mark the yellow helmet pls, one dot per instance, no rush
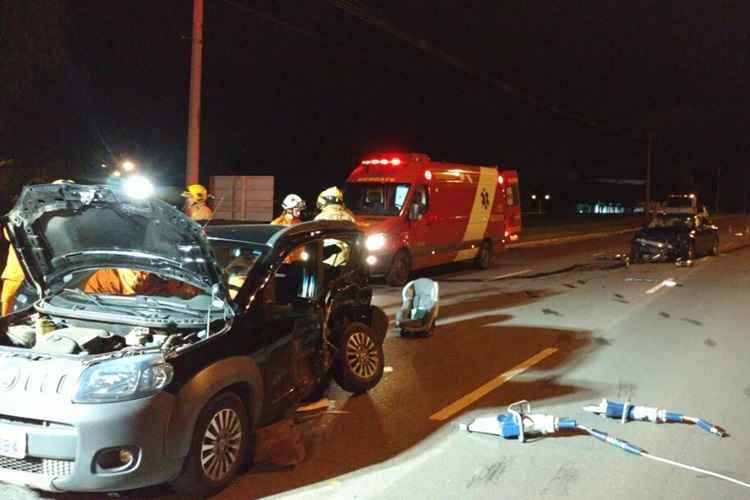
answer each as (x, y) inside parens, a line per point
(331, 196)
(196, 192)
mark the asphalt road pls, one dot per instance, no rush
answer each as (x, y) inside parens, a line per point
(575, 327)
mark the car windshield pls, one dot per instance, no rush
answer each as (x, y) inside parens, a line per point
(678, 202)
(668, 220)
(236, 259)
(376, 199)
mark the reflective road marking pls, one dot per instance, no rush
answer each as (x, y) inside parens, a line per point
(490, 386)
(503, 276)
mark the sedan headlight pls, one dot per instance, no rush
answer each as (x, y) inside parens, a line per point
(123, 379)
(375, 242)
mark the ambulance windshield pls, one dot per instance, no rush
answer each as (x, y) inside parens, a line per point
(376, 199)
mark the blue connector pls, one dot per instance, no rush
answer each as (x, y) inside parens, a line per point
(620, 443)
(626, 412)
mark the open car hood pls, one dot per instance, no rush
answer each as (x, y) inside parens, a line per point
(59, 229)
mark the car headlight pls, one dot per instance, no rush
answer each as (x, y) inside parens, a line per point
(375, 242)
(123, 379)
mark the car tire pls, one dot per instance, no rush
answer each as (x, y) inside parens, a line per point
(360, 361)
(400, 269)
(714, 248)
(690, 254)
(226, 418)
(483, 260)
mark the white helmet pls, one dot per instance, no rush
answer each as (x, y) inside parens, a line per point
(293, 202)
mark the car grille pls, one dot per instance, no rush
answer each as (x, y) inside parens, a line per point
(46, 466)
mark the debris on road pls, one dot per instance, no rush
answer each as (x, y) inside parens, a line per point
(551, 312)
(683, 262)
(627, 412)
(279, 444)
(639, 279)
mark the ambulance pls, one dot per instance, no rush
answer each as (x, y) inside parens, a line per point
(420, 213)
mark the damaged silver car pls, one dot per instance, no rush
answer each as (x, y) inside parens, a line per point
(136, 365)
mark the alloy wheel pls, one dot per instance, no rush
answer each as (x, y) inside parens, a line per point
(221, 444)
(362, 355)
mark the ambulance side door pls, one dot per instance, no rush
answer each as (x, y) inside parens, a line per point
(421, 227)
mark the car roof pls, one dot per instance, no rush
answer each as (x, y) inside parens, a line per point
(270, 235)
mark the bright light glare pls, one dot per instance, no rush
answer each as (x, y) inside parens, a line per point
(428, 175)
(546, 197)
(396, 161)
(500, 179)
(371, 260)
(128, 166)
(116, 173)
(304, 256)
(384, 162)
(138, 187)
(375, 242)
(533, 197)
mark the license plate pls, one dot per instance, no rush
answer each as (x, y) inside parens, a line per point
(12, 442)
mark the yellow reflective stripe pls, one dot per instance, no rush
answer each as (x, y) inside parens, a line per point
(484, 200)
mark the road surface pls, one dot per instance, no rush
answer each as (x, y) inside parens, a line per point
(561, 326)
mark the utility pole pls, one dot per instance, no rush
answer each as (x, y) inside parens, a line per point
(718, 186)
(194, 122)
(648, 173)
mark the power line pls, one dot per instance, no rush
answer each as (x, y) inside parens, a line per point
(358, 10)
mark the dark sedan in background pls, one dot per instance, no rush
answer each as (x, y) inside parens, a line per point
(675, 237)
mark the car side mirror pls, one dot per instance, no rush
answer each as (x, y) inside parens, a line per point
(416, 211)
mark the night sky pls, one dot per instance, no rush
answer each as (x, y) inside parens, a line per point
(303, 90)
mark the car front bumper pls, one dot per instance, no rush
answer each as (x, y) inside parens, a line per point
(65, 443)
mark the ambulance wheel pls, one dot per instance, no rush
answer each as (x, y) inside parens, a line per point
(400, 269)
(483, 260)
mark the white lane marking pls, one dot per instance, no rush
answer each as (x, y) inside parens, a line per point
(508, 275)
(667, 282)
(490, 386)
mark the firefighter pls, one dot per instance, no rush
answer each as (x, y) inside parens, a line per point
(197, 203)
(331, 205)
(13, 275)
(12, 278)
(293, 206)
(111, 281)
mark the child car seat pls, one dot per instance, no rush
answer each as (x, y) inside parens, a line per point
(419, 308)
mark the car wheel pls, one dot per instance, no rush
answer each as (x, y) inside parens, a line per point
(219, 448)
(690, 251)
(400, 269)
(483, 260)
(715, 247)
(360, 360)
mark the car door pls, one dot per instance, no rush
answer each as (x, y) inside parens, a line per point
(292, 327)
(703, 235)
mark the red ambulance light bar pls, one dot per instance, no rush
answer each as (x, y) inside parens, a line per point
(383, 161)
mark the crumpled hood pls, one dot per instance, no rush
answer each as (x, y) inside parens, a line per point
(58, 229)
(663, 234)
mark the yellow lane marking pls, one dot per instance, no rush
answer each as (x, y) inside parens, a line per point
(490, 386)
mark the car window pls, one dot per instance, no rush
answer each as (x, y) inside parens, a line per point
(296, 278)
(236, 260)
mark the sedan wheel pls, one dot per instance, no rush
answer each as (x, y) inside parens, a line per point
(219, 448)
(360, 361)
(221, 445)
(715, 247)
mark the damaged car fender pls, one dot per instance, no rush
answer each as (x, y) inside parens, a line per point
(240, 372)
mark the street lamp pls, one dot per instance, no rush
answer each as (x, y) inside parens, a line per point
(546, 198)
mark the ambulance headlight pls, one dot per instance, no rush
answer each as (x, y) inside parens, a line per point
(375, 242)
